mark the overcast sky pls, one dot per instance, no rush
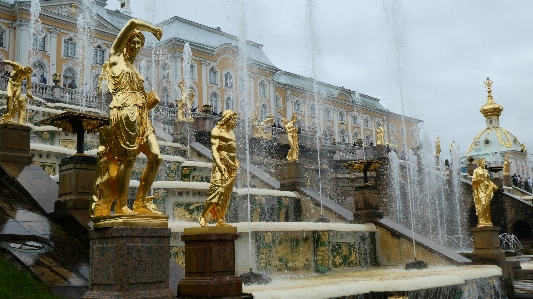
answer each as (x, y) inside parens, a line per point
(433, 54)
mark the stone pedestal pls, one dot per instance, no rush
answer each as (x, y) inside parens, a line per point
(487, 245)
(15, 143)
(366, 204)
(202, 129)
(183, 132)
(470, 169)
(507, 180)
(210, 264)
(291, 176)
(380, 151)
(129, 263)
(76, 183)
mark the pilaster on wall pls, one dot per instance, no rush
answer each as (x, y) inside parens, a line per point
(23, 44)
(53, 49)
(204, 81)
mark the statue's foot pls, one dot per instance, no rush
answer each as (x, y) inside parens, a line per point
(145, 207)
(100, 210)
(124, 210)
(221, 222)
(203, 222)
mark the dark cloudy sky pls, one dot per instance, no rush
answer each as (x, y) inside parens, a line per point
(433, 54)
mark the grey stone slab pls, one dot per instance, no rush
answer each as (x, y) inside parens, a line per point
(422, 241)
(25, 215)
(327, 202)
(39, 187)
(11, 227)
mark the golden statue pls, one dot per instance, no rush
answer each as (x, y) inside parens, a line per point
(451, 145)
(267, 123)
(292, 136)
(380, 137)
(224, 170)
(16, 105)
(437, 147)
(256, 126)
(185, 102)
(483, 192)
(259, 128)
(130, 131)
(506, 166)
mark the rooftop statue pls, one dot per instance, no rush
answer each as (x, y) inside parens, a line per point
(292, 136)
(130, 131)
(224, 170)
(437, 147)
(380, 137)
(483, 192)
(15, 104)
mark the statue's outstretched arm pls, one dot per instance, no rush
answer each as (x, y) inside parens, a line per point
(125, 33)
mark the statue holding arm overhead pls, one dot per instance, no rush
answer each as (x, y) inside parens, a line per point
(224, 170)
(181, 103)
(483, 193)
(292, 134)
(16, 105)
(130, 131)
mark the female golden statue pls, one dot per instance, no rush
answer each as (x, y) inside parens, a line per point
(483, 192)
(437, 147)
(292, 134)
(224, 170)
(380, 137)
(506, 166)
(130, 130)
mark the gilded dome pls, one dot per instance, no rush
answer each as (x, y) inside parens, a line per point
(490, 108)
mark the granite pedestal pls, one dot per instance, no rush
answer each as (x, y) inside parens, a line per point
(291, 176)
(487, 245)
(366, 204)
(129, 262)
(15, 143)
(210, 264)
(76, 182)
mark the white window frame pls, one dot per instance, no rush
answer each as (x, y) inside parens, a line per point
(392, 128)
(262, 90)
(67, 49)
(165, 69)
(214, 102)
(232, 83)
(327, 113)
(99, 55)
(213, 75)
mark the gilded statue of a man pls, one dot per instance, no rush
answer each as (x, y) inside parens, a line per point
(437, 147)
(16, 105)
(292, 134)
(483, 192)
(224, 169)
(130, 131)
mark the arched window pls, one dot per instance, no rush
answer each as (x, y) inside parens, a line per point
(39, 69)
(297, 106)
(402, 130)
(2, 34)
(355, 120)
(165, 96)
(392, 128)
(228, 80)
(343, 136)
(95, 81)
(69, 78)
(229, 103)
(328, 132)
(98, 55)
(342, 117)
(213, 75)
(166, 71)
(277, 100)
(263, 113)
(262, 89)
(39, 43)
(69, 47)
(393, 141)
(192, 71)
(327, 113)
(369, 139)
(213, 99)
(367, 123)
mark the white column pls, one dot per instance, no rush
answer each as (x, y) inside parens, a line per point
(204, 83)
(53, 54)
(350, 130)
(272, 98)
(288, 105)
(23, 42)
(336, 123)
(373, 125)
(362, 124)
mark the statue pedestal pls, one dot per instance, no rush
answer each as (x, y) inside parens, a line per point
(291, 176)
(366, 204)
(129, 263)
(487, 245)
(507, 180)
(76, 183)
(202, 129)
(210, 264)
(183, 132)
(15, 143)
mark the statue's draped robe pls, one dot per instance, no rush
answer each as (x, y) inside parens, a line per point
(483, 192)
(220, 187)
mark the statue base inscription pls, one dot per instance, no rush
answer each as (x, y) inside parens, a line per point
(129, 263)
(210, 264)
(487, 245)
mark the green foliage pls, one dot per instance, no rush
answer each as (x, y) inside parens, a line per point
(19, 284)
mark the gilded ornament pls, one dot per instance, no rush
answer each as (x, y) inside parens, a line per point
(224, 169)
(16, 105)
(483, 193)
(130, 132)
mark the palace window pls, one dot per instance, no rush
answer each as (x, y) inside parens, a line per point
(2, 38)
(264, 113)
(98, 55)
(369, 139)
(166, 71)
(277, 100)
(367, 123)
(341, 117)
(312, 109)
(355, 120)
(192, 71)
(327, 113)
(39, 43)
(297, 106)
(402, 130)
(343, 136)
(69, 49)
(228, 80)
(262, 89)
(213, 99)
(392, 128)
(69, 79)
(229, 103)
(213, 75)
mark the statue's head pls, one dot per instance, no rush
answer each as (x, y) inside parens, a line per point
(481, 163)
(28, 69)
(135, 43)
(228, 120)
